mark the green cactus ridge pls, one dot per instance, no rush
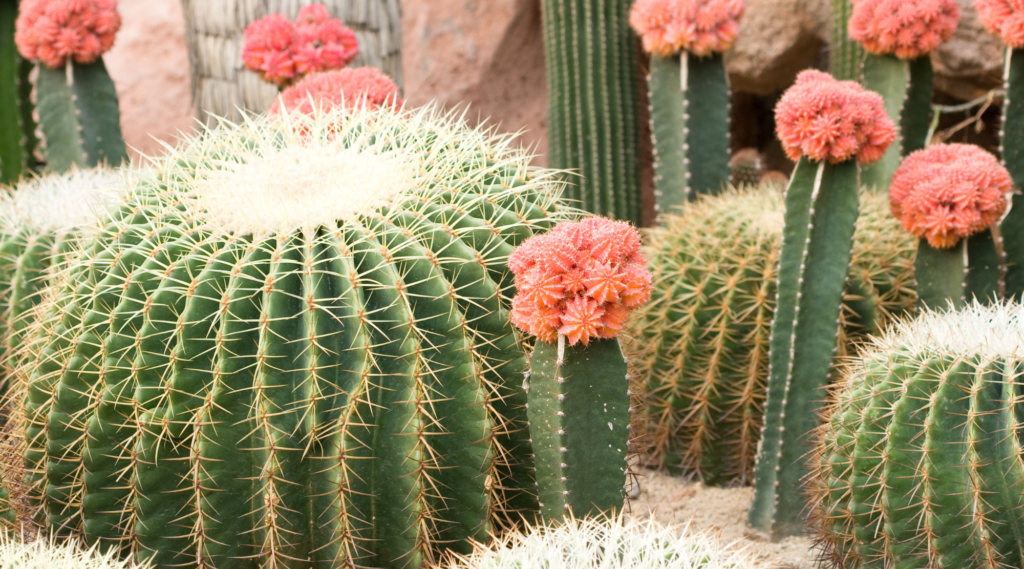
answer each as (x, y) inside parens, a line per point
(918, 461)
(701, 344)
(845, 55)
(290, 342)
(579, 410)
(14, 145)
(1012, 151)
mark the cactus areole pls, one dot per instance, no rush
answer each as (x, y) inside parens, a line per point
(291, 342)
(576, 286)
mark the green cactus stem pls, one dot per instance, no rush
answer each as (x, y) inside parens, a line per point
(689, 101)
(1012, 148)
(845, 55)
(917, 463)
(579, 409)
(80, 116)
(12, 137)
(821, 211)
(906, 87)
(593, 103)
(290, 341)
(968, 271)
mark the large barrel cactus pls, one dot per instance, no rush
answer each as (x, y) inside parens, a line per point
(289, 347)
(40, 223)
(703, 339)
(919, 461)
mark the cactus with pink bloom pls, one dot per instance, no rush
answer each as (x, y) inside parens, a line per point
(282, 51)
(354, 87)
(688, 93)
(576, 286)
(829, 126)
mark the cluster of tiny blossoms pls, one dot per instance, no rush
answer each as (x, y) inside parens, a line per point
(697, 26)
(54, 31)
(579, 280)
(946, 192)
(825, 119)
(1004, 18)
(282, 51)
(904, 28)
(352, 87)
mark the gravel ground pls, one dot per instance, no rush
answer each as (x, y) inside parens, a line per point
(724, 510)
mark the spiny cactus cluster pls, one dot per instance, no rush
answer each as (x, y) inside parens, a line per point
(57, 554)
(918, 463)
(702, 343)
(293, 343)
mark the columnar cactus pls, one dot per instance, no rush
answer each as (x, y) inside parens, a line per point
(17, 141)
(77, 102)
(701, 344)
(898, 36)
(291, 342)
(594, 104)
(1005, 19)
(849, 126)
(576, 286)
(950, 195)
(689, 93)
(845, 55)
(917, 463)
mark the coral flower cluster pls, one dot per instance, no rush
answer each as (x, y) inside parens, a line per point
(282, 51)
(701, 27)
(579, 280)
(54, 31)
(904, 28)
(1004, 18)
(353, 87)
(825, 119)
(946, 192)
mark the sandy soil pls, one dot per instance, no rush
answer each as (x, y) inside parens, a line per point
(674, 500)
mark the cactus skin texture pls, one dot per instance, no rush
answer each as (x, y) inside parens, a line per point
(80, 116)
(971, 269)
(1012, 150)
(303, 384)
(579, 409)
(689, 100)
(593, 103)
(918, 461)
(701, 344)
(14, 149)
(845, 55)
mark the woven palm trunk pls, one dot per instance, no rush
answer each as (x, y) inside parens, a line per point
(223, 87)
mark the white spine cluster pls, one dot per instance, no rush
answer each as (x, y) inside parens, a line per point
(76, 199)
(992, 332)
(65, 554)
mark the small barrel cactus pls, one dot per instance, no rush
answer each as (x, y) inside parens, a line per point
(291, 341)
(918, 460)
(701, 345)
(746, 167)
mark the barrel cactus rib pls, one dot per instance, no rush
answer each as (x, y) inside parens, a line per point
(346, 391)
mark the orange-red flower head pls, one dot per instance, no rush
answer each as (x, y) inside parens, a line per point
(825, 119)
(579, 280)
(701, 27)
(1004, 18)
(282, 51)
(946, 192)
(354, 87)
(904, 28)
(54, 31)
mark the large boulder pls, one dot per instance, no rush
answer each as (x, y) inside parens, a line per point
(970, 64)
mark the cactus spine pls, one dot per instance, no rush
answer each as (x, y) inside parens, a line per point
(1012, 149)
(701, 345)
(579, 424)
(290, 342)
(917, 463)
(593, 103)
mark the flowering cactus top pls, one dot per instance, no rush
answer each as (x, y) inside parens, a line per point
(825, 119)
(282, 51)
(949, 191)
(698, 26)
(53, 31)
(349, 87)
(579, 280)
(1004, 18)
(904, 28)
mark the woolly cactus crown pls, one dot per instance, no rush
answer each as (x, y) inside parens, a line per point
(701, 27)
(52, 31)
(63, 554)
(990, 331)
(62, 201)
(905, 28)
(1004, 18)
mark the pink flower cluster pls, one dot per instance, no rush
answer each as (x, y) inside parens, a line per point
(825, 119)
(701, 27)
(354, 87)
(905, 28)
(53, 31)
(579, 280)
(1004, 18)
(946, 192)
(281, 51)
